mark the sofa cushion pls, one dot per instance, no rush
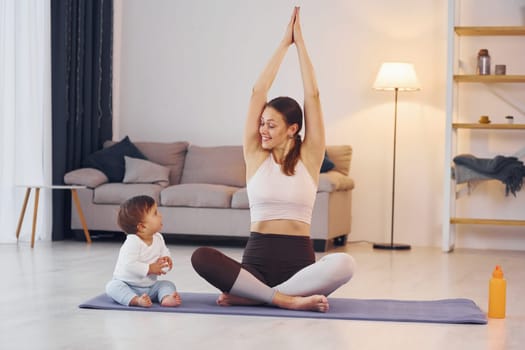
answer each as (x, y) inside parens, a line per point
(144, 171)
(332, 181)
(110, 160)
(117, 193)
(169, 154)
(197, 195)
(341, 155)
(240, 199)
(89, 177)
(222, 165)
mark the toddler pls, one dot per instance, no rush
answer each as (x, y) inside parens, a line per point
(142, 258)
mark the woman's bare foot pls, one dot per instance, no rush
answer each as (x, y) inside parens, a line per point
(231, 300)
(143, 300)
(317, 303)
(171, 300)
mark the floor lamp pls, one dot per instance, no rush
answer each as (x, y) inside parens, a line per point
(395, 76)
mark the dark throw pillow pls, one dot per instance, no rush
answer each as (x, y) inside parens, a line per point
(110, 160)
(327, 164)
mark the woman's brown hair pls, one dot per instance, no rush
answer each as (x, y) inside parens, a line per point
(293, 114)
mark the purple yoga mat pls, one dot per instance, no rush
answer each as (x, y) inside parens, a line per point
(433, 311)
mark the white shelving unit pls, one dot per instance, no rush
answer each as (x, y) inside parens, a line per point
(454, 126)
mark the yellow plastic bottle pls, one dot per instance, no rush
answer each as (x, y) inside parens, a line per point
(497, 294)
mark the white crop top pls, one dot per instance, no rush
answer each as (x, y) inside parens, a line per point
(274, 195)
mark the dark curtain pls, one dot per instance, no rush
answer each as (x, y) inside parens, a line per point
(81, 55)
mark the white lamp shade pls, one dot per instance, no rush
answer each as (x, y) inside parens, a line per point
(397, 75)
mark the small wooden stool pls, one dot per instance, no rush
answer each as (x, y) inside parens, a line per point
(74, 194)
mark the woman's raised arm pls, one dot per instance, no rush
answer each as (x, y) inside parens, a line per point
(260, 91)
(314, 139)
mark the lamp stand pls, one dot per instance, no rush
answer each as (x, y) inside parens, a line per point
(392, 245)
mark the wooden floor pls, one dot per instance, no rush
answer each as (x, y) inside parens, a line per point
(42, 288)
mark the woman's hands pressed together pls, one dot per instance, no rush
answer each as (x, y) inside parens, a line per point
(288, 38)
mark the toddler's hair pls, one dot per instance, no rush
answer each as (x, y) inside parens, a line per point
(132, 213)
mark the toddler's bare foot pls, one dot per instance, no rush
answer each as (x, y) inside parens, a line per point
(317, 303)
(171, 300)
(143, 300)
(231, 300)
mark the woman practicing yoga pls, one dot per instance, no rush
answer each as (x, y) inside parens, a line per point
(282, 172)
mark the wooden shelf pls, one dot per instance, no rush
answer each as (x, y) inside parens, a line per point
(488, 126)
(456, 76)
(476, 78)
(490, 31)
(495, 222)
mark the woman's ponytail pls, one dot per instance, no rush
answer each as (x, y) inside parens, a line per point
(292, 157)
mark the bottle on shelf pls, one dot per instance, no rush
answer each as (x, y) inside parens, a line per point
(483, 62)
(497, 294)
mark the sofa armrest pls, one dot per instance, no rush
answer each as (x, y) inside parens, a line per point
(85, 176)
(332, 181)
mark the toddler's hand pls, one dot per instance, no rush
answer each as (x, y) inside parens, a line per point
(168, 263)
(157, 268)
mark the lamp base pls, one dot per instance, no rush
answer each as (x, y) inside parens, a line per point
(391, 246)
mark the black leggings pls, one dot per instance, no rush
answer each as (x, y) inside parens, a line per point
(271, 258)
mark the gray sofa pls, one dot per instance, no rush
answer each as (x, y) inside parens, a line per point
(201, 192)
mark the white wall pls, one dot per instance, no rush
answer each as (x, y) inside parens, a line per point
(187, 68)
